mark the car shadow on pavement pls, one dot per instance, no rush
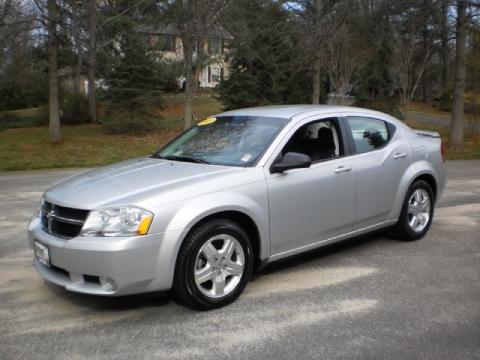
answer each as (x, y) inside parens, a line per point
(326, 251)
(120, 303)
(160, 299)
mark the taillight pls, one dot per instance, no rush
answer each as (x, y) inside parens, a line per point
(442, 150)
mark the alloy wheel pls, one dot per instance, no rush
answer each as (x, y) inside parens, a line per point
(419, 210)
(219, 266)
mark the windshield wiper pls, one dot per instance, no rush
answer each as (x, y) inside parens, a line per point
(183, 158)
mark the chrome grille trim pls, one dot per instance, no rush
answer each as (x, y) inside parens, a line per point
(62, 221)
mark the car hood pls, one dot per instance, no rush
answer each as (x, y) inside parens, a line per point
(126, 182)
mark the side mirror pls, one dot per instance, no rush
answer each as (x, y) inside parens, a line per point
(291, 160)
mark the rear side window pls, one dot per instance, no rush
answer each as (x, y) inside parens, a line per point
(368, 134)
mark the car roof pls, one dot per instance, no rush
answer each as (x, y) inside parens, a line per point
(289, 111)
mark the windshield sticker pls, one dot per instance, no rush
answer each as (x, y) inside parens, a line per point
(207, 121)
(246, 157)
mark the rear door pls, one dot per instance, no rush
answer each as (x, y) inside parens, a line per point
(381, 158)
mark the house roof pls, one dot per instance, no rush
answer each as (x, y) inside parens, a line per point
(215, 31)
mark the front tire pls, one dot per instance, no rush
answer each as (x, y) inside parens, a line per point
(417, 212)
(213, 266)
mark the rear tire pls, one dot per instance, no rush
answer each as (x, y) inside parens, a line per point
(417, 212)
(214, 265)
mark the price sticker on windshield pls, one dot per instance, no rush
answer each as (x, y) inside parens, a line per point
(207, 121)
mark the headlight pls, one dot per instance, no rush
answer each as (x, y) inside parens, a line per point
(123, 221)
(37, 212)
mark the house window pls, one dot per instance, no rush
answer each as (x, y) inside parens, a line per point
(214, 46)
(215, 74)
(166, 43)
(209, 74)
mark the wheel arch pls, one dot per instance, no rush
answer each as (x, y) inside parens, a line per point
(417, 171)
(243, 220)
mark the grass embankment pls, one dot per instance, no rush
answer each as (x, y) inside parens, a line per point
(470, 151)
(88, 145)
(472, 138)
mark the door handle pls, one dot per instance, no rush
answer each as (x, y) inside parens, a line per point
(400, 155)
(342, 169)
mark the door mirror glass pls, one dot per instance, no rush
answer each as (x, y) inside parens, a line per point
(291, 160)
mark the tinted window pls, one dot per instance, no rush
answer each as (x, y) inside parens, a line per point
(368, 134)
(318, 139)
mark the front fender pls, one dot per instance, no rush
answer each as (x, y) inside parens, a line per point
(251, 200)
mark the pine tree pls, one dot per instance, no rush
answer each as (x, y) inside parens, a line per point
(134, 82)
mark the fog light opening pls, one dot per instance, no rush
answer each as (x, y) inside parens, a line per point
(107, 283)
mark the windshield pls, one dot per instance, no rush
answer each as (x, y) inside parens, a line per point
(226, 140)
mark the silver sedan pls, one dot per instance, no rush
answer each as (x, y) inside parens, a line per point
(237, 191)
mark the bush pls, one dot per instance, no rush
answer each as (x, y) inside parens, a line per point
(24, 118)
(444, 100)
(74, 109)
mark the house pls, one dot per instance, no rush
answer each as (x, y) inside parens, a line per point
(166, 38)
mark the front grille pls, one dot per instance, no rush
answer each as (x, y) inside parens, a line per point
(62, 221)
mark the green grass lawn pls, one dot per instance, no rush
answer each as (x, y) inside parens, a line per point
(82, 146)
(88, 145)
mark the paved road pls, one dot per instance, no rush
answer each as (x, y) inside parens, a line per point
(369, 298)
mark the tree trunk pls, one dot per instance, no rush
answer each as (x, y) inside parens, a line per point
(317, 61)
(188, 56)
(456, 127)
(444, 48)
(92, 32)
(54, 131)
(78, 49)
(316, 79)
(199, 63)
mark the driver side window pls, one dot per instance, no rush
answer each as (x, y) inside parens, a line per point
(319, 139)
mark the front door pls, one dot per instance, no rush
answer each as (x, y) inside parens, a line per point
(317, 203)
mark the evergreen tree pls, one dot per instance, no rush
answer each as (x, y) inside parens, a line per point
(265, 61)
(133, 84)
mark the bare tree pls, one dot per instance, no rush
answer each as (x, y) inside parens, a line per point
(341, 62)
(456, 124)
(317, 62)
(412, 58)
(92, 49)
(187, 41)
(54, 119)
(444, 44)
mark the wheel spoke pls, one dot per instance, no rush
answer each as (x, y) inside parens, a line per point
(218, 285)
(210, 252)
(416, 222)
(234, 269)
(203, 275)
(229, 248)
(425, 204)
(418, 197)
(412, 208)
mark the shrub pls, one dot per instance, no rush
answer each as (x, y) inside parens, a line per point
(24, 118)
(444, 100)
(74, 109)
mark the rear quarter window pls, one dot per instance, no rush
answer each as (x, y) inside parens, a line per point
(368, 134)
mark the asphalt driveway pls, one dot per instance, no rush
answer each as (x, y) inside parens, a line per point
(368, 298)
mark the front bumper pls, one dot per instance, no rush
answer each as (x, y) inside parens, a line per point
(109, 266)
